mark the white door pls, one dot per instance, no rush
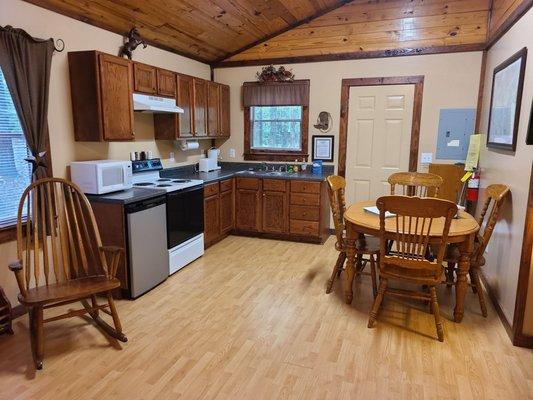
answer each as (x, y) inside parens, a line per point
(379, 137)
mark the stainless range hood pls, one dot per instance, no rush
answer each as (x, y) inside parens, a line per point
(153, 104)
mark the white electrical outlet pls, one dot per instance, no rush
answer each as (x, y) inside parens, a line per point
(171, 156)
(426, 158)
(232, 153)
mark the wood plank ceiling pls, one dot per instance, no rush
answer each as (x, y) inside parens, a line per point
(240, 32)
(205, 30)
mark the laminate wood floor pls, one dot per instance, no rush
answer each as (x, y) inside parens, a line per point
(251, 320)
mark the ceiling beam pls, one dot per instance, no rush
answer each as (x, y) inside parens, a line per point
(358, 55)
(279, 32)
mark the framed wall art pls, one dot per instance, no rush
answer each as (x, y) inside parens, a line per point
(323, 147)
(505, 101)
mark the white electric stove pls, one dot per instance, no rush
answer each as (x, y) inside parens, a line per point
(184, 209)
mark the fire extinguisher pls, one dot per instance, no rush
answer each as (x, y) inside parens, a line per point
(472, 191)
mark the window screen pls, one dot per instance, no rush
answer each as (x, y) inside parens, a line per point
(15, 173)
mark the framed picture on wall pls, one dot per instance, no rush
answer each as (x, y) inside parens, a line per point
(529, 134)
(323, 147)
(505, 101)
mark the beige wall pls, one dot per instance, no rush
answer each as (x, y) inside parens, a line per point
(451, 81)
(80, 36)
(503, 256)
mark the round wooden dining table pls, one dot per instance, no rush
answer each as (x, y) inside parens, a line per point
(462, 232)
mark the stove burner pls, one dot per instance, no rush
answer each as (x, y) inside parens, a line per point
(181, 180)
(144, 184)
(163, 180)
(163, 185)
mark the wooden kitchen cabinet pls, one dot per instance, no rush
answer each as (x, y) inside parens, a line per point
(145, 78)
(248, 204)
(101, 88)
(199, 107)
(166, 83)
(284, 209)
(275, 206)
(224, 111)
(177, 126)
(211, 218)
(213, 108)
(219, 211)
(227, 209)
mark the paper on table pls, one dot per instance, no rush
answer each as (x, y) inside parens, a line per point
(375, 210)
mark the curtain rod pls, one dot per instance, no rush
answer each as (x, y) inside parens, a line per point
(59, 44)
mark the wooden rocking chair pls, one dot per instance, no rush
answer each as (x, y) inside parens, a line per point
(61, 259)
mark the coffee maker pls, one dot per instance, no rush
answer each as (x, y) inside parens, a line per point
(211, 162)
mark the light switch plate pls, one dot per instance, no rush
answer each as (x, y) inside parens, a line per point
(171, 156)
(232, 153)
(426, 158)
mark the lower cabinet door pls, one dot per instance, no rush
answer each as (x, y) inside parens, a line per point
(248, 210)
(275, 215)
(211, 219)
(226, 211)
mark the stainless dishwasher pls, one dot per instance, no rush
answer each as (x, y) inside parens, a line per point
(147, 244)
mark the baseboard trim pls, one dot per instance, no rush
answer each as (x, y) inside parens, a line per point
(497, 306)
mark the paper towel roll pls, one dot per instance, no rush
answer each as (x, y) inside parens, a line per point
(186, 145)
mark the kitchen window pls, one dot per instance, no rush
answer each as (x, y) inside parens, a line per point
(276, 120)
(15, 172)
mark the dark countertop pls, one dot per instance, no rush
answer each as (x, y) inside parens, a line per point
(230, 170)
(126, 196)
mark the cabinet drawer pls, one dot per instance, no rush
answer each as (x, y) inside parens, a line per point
(305, 213)
(305, 199)
(305, 187)
(247, 183)
(274, 185)
(210, 189)
(226, 185)
(307, 228)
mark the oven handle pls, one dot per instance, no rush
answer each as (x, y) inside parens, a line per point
(186, 190)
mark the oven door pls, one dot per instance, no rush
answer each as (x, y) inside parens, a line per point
(185, 215)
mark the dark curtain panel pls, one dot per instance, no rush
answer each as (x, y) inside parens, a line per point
(25, 62)
(295, 93)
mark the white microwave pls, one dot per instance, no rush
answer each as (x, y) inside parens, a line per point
(101, 176)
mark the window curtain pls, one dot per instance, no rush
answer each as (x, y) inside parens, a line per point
(295, 93)
(26, 62)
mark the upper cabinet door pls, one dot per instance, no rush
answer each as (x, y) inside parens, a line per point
(185, 100)
(200, 107)
(116, 84)
(212, 109)
(145, 78)
(224, 118)
(166, 83)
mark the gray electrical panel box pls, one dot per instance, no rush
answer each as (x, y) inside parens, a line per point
(455, 127)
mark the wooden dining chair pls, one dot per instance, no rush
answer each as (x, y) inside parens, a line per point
(61, 259)
(366, 246)
(415, 220)
(415, 184)
(495, 196)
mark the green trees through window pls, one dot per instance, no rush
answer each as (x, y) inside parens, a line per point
(276, 128)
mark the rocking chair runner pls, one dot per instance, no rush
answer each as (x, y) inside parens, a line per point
(61, 259)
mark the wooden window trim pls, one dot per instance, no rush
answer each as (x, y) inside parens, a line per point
(272, 155)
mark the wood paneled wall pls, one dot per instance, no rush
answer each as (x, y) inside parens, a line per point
(241, 32)
(504, 14)
(205, 30)
(370, 26)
